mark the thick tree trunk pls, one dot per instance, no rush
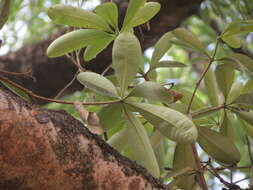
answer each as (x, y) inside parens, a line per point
(51, 75)
(49, 150)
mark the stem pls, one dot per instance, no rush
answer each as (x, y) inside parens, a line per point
(30, 93)
(203, 75)
(14, 73)
(201, 177)
(200, 172)
(198, 113)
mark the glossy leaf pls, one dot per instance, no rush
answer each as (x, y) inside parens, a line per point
(217, 146)
(247, 128)
(233, 63)
(109, 12)
(93, 50)
(133, 7)
(169, 122)
(4, 11)
(238, 27)
(119, 140)
(226, 128)
(142, 148)
(156, 138)
(97, 83)
(246, 116)
(75, 40)
(196, 104)
(243, 60)
(126, 58)
(16, 91)
(161, 47)
(244, 100)
(235, 91)
(76, 17)
(205, 112)
(248, 86)
(225, 77)
(152, 91)
(189, 38)
(170, 64)
(147, 12)
(110, 116)
(184, 158)
(211, 87)
(160, 156)
(232, 41)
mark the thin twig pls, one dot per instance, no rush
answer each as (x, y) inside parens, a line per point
(196, 114)
(30, 93)
(201, 177)
(249, 150)
(106, 69)
(241, 180)
(203, 74)
(65, 87)
(15, 73)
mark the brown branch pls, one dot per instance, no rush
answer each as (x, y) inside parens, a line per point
(200, 172)
(31, 94)
(49, 150)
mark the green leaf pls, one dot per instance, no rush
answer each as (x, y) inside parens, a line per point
(244, 100)
(75, 40)
(211, 87)
(133, 7)
(196, 104)
(170, 64)
(120, 140)
(142, 148)
(4, 11)
(147, 12)
(97, 83)
(93, 50)
(247, 128)
(169, 122)
(16, 91)
(156, 138)
(109, 12)
(217, 146)
(205, 112)
(184, 158)
(225, 77)
(110, 116)
(160, 156)
(248, 86)
(238, 27)
(126, 58)
(76, 17)
(243, 60)
(152, 91)
(161, 47)
(226, 128)
(235, 91)
(233, 63)
(232, 41)
(190, 39)
(246, 116)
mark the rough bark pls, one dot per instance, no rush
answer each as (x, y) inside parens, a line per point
(51, 75)
(49, 150)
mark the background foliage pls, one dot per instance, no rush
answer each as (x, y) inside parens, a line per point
(28, 23)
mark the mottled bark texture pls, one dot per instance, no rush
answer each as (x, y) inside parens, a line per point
(51, 75)
(49, 150)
